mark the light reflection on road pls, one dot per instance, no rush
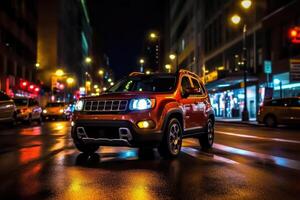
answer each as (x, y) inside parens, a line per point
(280, 161)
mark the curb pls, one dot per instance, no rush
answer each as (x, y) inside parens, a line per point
(239, 123)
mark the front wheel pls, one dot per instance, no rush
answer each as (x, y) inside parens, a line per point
(207, 139)
(88, 149)
(171, 144)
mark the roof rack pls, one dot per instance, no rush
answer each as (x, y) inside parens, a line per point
(187, 72)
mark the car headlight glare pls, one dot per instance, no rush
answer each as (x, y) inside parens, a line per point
(141, 104)
(45, 111)
(79, 105)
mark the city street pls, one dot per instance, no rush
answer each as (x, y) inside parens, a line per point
(247, 162)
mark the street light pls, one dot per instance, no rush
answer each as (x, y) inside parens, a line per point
(88, 60)
(172, 56)
(246, 4)
(153, 35)
(148, 72)
(101, 72)
(109, 80)
(236, 19)
(142, 61)
(70, 81)
(59, 72)
(168, 67)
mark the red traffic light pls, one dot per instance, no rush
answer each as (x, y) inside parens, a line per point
(294, 34)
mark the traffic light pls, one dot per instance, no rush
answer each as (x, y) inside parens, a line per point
(294, 35)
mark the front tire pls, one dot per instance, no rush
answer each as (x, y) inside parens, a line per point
(88, 149)
(206, 140)
(171, 144)
(270, 121)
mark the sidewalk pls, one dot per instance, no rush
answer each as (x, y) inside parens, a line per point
(252, 121)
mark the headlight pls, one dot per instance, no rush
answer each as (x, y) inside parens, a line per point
(45, 111)
(61, 110)
(79, 105)
(141, 104)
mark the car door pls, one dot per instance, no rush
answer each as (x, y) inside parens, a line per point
(199, 104)
(35, 112)
(186, 103)
(6, 107)
(294, 110)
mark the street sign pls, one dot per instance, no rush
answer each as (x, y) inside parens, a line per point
(268, 67)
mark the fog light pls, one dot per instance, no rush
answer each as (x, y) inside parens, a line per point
(146, 124)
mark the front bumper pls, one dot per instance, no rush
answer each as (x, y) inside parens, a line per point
(114, 133)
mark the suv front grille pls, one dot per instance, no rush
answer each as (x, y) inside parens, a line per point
(105, 106)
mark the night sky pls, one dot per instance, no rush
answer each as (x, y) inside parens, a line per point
(121, 26)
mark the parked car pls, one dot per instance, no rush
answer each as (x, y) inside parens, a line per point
(7, 109)
(28, 110)
(146, 111)
(54, 110)
(280, 111)
(69, 110)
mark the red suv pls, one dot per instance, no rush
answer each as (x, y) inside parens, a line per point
(146, 111)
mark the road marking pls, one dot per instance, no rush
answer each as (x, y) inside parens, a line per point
(195, 153)
(280, 161)
(258, 137)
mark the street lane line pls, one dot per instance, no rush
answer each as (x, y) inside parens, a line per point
(280, 161)
(258, 137)
(195, 153)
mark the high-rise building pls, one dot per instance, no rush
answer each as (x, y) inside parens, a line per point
(18, 36)
(64, 39)
(183, 39)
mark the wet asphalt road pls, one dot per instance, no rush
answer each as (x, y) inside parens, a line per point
(247, 162)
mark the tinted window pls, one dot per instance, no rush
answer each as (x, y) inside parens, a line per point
(55, 105)
(185, 84)
(145, 83)
(4, 97)
(276, 102)
(197, 86)
(21, 102)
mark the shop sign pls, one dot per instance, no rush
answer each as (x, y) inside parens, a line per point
(294, 70)
(268, 67)
(212, 76)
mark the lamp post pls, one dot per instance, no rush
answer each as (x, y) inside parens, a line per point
(168, 68)
(173, 57)
(236, 19)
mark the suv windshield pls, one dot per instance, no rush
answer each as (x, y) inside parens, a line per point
(21, 102)
(147, 83)
(55, 105)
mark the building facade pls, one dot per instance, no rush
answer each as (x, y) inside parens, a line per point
(18, 36)
(64, 40)
(217, 50)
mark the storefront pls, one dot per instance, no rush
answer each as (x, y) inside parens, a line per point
(230, 103)
(285, 86)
